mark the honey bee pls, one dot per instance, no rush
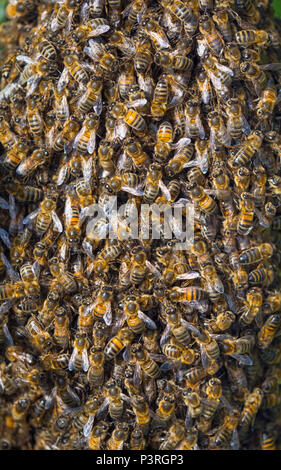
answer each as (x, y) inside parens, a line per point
(136, 319)
(160, 98)
(221, 18)
(95, 373)
(255, 74)
(92, 28)
(238, 348)
(63, 139)
(176, 62)
(272, 303)
(64, 14)
(268, 331)
(134, 150)
(194, 126)
(105, 61)
(7, 137)
(61, 328)
(130, 117)
(210, 34)
(148, 365)
(256, 254)
(15, 155)
(251, 145)
(62, 277)
(98, 435)
(54, 361)
(137, 440)
(252, 404)
(40, 339)
(236, 123)
(85, 140)
(246, 215)
(45, 215)
(91, 98)
(142, 58)
(155, 33)
(79, 357)
(118, 437)
(85, 420)
(101, 308)
(227, 432)
(115, 345)
(218, 132)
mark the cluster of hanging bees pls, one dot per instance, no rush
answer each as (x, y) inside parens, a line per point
(129, 343)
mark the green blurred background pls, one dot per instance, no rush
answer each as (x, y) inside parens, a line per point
(276, 5)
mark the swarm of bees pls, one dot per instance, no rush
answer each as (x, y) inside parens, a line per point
(128, 343)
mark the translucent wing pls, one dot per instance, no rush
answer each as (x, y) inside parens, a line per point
(10, 270)
(49, 400)
(3, 204)
(8, 335)
(246, 126)
(87, 169)
(5, 238)
(206, 92)
(25, 58)
(57, 223)
(108, 315)
(225, 69)
(120, 130)
(152, 268)
(201, 47)
(235, 443)
(32, 84)
(163, 42)
(5, 306)
(62, 175)
(30, 217)
(188, 275)
(88, 426)
(133, 191)
(242, 359)
(150, 323)
(92, 142)
(137, 103)
(101, 29)
(78, 137)
(102, 409)
(85, 360)
(165, 190)
(63, 80)
(72, 359)
(165, 335)
(98, 105)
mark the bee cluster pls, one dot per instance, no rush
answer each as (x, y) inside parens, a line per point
(129, 343)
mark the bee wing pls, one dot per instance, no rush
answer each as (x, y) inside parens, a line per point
(235, 443)
(78, 137)
(98, 105)
(204, 162)
(137, 375)
(30, 217)
(275, 67)
(63, 80)
(206, 92)
(218, 285)
(25, 58)
(8, 335)
(69, 20)
(108, 315)
(94, 50)
(101, 29)
(5, 306)
(201, 47)
(200, 127)
(54, 25)
(102, 409)
(36, 269)
(123, 162)
(62, 175)
(245, 126)
(243, 359)
(215, 81)
(32, 84)
(150, 323)
(188, 275)
(162, 40)
(87, 429)
(152, 268)
(4, 204)
(165, 190)
(57, 223)
(85, 360)
(133, 191)
(120, 130)
(10, 270)
(225, 69)
(165, 335)
(72, 359)
(181, 144)
(137, 103)
(5, 238)
(92, 142)
(49, 400)
(204, 357)
(84, 13)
